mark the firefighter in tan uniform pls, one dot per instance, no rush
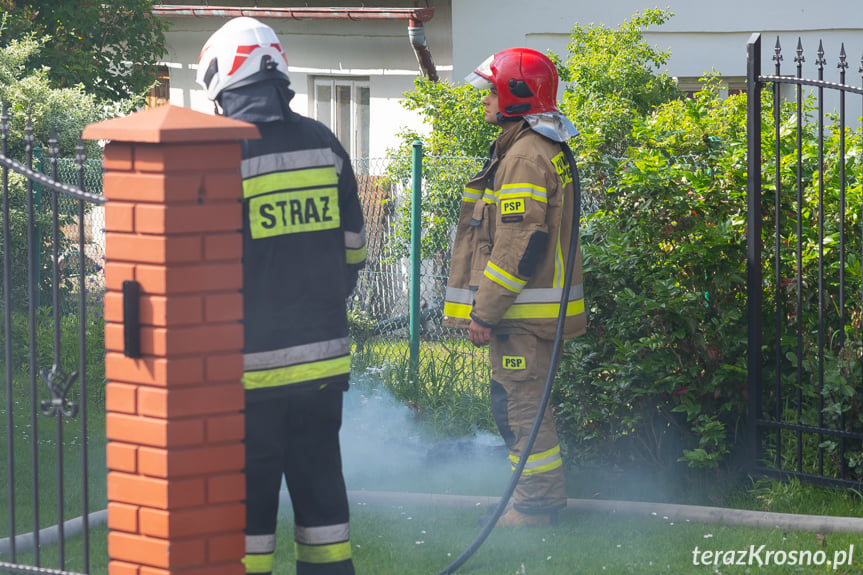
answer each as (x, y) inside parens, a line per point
(507, 271)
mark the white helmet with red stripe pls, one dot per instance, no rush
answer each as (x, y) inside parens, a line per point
(241, 52)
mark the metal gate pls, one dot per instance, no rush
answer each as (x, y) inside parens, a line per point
(50, 312)
(805, 248)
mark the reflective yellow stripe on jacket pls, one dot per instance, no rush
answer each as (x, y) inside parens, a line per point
(532, 303)
(471, 195)
(503, 278)
(297, 364)
(355, 246)
(292, 193)
(524, 190)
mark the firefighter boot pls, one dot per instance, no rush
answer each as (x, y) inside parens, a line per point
(515, 518)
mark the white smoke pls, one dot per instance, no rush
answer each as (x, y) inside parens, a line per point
(385, 447)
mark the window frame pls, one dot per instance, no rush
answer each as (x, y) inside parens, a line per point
(357, 144)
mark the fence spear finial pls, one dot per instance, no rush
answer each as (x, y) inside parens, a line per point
(820, 61)
(799, 58)
(843, 59)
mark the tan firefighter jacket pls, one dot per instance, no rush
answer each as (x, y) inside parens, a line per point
(512, 241)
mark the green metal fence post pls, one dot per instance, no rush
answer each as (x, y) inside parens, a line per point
(416, 258)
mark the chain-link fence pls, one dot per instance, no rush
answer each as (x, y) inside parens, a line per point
(383, 292)
(71, 172)
(380, 306)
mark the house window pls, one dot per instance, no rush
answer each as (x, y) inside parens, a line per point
(160, 93)
(342, 104)
(729, 85)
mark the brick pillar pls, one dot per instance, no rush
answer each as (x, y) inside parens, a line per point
(174, 414)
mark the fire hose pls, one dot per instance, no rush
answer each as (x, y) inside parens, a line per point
(549, 379)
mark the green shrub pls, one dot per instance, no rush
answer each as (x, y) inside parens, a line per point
(661, 374)
(54, 116)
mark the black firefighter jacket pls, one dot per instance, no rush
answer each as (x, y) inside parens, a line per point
(303, 245)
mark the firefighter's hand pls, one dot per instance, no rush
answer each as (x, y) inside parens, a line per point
(479, 335)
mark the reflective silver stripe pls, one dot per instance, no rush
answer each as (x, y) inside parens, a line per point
(355, 240)
(297, 354)
(525, 190)
(489, 197)
(260, 544)
(542, 462)
(286, 161)
(471, 195)
(549, 295)
(322, 535)
(459, 295)
(531, 295)
(503, 278)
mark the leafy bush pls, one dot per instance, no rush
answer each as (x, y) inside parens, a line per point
(53, 116)
(29, 95)
(661, 374)
(110, 48)
(664, 262)
(613, 78)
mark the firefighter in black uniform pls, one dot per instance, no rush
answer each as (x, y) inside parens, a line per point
(303, 245)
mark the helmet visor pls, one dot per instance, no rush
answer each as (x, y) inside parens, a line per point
(482, 77)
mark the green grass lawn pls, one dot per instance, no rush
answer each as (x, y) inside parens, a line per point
(406, 541)
(39, 460)
(443, 444)
(423, 540)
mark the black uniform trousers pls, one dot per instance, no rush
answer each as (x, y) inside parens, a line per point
(297, 436)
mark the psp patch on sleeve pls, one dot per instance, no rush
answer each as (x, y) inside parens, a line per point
(512, 210)
(513, 206)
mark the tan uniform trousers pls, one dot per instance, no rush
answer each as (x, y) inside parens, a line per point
(519, 366)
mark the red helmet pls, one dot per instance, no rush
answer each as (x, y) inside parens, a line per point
(526, 81)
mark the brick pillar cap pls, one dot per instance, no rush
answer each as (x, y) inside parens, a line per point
(170, 124)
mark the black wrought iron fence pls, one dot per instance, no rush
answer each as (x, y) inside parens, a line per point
(52, 364)
(804, 267)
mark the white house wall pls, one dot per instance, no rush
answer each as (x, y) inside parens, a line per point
(379, 51)
(703, 35)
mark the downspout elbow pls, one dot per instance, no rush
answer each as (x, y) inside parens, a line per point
(417, 35)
